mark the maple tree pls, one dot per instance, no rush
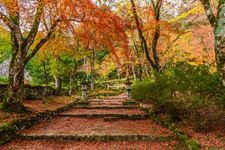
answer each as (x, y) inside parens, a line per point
(26, 19)
(23, 37)
(155, 30)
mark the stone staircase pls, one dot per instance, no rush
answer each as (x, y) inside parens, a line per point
(105, 124)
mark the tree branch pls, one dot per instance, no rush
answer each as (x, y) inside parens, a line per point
(42, 41)
(35, 26)
(14, 28)
(156, 36)
(6, 20)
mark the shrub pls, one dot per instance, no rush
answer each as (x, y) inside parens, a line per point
(181, 88)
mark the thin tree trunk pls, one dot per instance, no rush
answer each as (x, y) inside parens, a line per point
(141, 36)
(154, 62)
(92, 64)
(46, 81)
(134, 73)
(70, 86)
(58, 85)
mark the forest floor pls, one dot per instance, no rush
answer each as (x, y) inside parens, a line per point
(106, 125)
(36, 106)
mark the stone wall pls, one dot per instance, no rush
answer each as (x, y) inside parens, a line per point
(32, 92)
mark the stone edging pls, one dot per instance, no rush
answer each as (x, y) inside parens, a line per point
(118, 116)
(98, 137)
(9, 132)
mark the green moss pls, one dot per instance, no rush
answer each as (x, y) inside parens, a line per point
(193, 144)
(100, 137)
(83, 103)
(130, 102)
(15, 107)
(7, 133)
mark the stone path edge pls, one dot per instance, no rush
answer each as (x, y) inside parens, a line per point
(179, 134)
(107, 107)
(9, 132)
(103, 138)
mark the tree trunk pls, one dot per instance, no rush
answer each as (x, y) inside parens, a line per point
(134, 72)
(218, 24)
(92, 83)
(58, 85)
(46, 81)
(220, 54)
(219, 32)
(15, 92)
(92, 64)
(154, 62)
(70, 86)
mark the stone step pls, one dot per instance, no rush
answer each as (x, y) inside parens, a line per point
(106, 103)
(89, 145)
(104, 111)
(96, 127)
(97, 137)
(107, 107)
(118, 116)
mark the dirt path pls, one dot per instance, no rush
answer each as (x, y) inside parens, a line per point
(106, 125)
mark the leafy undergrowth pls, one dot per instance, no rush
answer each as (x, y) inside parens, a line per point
(36, 106)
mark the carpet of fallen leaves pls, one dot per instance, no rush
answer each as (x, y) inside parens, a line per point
(104, 111)
(36, 106)
(209, 140)
(52, 104)
(83, 126)
(62, 125)
(84, 145)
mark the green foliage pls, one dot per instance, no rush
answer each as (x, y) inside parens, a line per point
(100, 56)
(113, 74)
(5, 46)
(3, 80)
(36, 71)
(62, 67)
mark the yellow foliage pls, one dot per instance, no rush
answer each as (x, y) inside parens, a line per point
(197, 9)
